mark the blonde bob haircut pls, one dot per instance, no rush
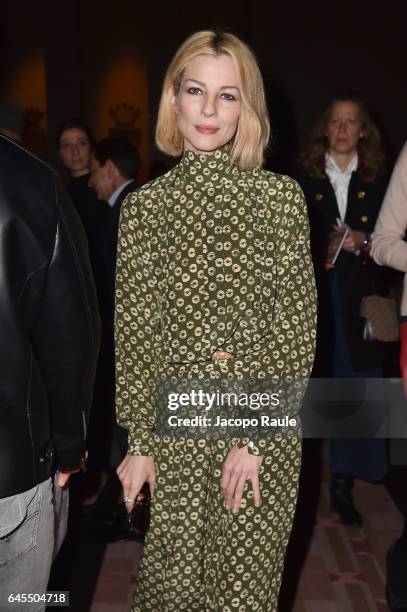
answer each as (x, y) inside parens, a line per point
(253, 131)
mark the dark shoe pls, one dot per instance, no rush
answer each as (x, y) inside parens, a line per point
(342, 500)
(119, 525)
(396, 591)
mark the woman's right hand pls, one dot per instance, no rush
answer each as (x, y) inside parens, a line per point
(133, 472)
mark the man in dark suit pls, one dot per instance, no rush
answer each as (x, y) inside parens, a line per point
(114, 166)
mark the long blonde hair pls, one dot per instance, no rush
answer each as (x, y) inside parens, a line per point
(253, 132)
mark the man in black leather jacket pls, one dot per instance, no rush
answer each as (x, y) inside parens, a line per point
(49, 337)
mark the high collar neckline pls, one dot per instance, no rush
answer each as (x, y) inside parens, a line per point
(206, 168)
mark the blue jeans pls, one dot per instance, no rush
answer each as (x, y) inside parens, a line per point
(30, 535)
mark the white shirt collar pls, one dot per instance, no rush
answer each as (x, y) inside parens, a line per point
(340, 180)
(113, 198)
(332, 167)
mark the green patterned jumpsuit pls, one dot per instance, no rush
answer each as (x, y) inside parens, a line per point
(212, 258)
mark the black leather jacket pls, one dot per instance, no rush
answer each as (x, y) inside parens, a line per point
(49, 324)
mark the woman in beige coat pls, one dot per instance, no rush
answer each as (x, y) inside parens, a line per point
(389, 248)
(388, 245)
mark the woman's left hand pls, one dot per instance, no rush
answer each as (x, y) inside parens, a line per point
(239, 467)
(353, 241)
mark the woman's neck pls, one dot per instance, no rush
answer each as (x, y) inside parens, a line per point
(342, 160)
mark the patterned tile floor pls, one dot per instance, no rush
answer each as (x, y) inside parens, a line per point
(344, 569)
(115, 585)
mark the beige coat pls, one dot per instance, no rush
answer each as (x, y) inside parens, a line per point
(388, 246)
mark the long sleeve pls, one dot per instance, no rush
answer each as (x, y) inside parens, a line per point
(296, 304)
(388, 246)
(136, 330)
(66, 335)
(291, 349)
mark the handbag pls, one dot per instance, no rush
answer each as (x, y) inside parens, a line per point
(381, 316)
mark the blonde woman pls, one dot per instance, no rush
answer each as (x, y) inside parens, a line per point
(214, 281)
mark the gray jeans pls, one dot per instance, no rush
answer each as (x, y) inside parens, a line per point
(32, 528)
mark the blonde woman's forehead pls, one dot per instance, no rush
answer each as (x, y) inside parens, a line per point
(210, 69)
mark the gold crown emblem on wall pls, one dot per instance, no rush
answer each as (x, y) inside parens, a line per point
(124, 115)
(33, 117)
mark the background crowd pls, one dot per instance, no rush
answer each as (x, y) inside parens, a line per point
(344, 173)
